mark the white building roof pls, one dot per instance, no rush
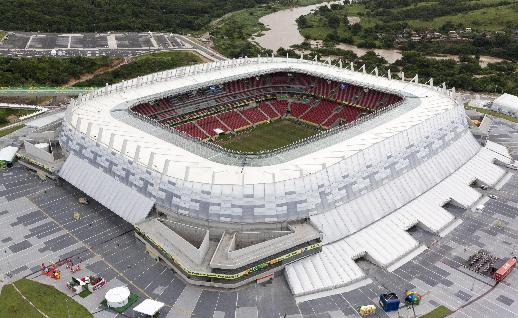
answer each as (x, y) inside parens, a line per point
(8, 153)
(90, 114)
(386, 241)
(149, 307)
(507, 102)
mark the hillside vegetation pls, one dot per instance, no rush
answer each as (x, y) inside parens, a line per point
(142, 65)
(46, 71)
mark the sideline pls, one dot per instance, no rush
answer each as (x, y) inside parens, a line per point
(19, 292)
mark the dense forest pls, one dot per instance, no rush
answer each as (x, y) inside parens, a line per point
(114, 15)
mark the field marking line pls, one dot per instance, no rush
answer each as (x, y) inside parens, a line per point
(27, 300)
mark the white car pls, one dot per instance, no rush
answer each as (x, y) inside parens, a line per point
(492, 196)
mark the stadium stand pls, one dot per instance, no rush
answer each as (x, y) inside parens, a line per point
(240, 103)
(233, 120)
(267, 109)
(254, 115)
(320, 112)
(297, 109)
(280, 106)
(209, 124)
(191, 129)
(357, 192)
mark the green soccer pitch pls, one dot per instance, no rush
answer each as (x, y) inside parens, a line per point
(267, 136)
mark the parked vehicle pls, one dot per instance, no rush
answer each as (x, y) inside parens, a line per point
(503, 271)
(389, 302)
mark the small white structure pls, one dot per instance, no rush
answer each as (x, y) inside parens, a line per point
(40, 151)
(8, 153)
(149, 307)
(506, 103)
(117, 297)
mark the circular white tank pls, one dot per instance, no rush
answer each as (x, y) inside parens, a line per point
(117, 297)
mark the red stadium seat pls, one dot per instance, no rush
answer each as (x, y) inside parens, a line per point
(254, 115)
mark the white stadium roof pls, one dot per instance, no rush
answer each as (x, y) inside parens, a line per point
(90, 115)
(121, 199)
(363, 190)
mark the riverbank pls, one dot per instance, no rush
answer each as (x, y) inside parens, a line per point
(281, 27)
(392, 55)
(231, 35)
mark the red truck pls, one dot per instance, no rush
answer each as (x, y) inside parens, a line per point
(503, 271)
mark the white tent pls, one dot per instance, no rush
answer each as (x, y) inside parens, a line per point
(149, 307)
(506, 103)
(117, 297)
(8, 153)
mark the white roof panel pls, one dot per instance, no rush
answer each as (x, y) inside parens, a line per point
(96, 111)
(119, 198)
(8, 153)
(149, 307)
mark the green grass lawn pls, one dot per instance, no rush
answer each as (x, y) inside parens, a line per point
(266, 136)
(2, 35)
(49, 300)
(13, 305)
(6, 112)
(439, 312)
(5, 132)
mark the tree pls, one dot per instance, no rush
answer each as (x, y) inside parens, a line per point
(333, 21)
(302, 22)
(356, 29)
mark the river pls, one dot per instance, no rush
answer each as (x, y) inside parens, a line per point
(283, 32)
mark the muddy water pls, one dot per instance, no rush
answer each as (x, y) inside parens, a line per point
(484, 60)
(390, 55)
(283, 28)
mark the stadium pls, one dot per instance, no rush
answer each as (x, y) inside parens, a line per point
(233, 170)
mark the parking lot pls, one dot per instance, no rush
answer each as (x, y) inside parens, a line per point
(26, 44)
(38, 225)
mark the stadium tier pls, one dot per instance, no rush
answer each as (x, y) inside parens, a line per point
(387, 156)
(311, 99)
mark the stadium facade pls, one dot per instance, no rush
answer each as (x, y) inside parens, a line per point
(392, 155)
